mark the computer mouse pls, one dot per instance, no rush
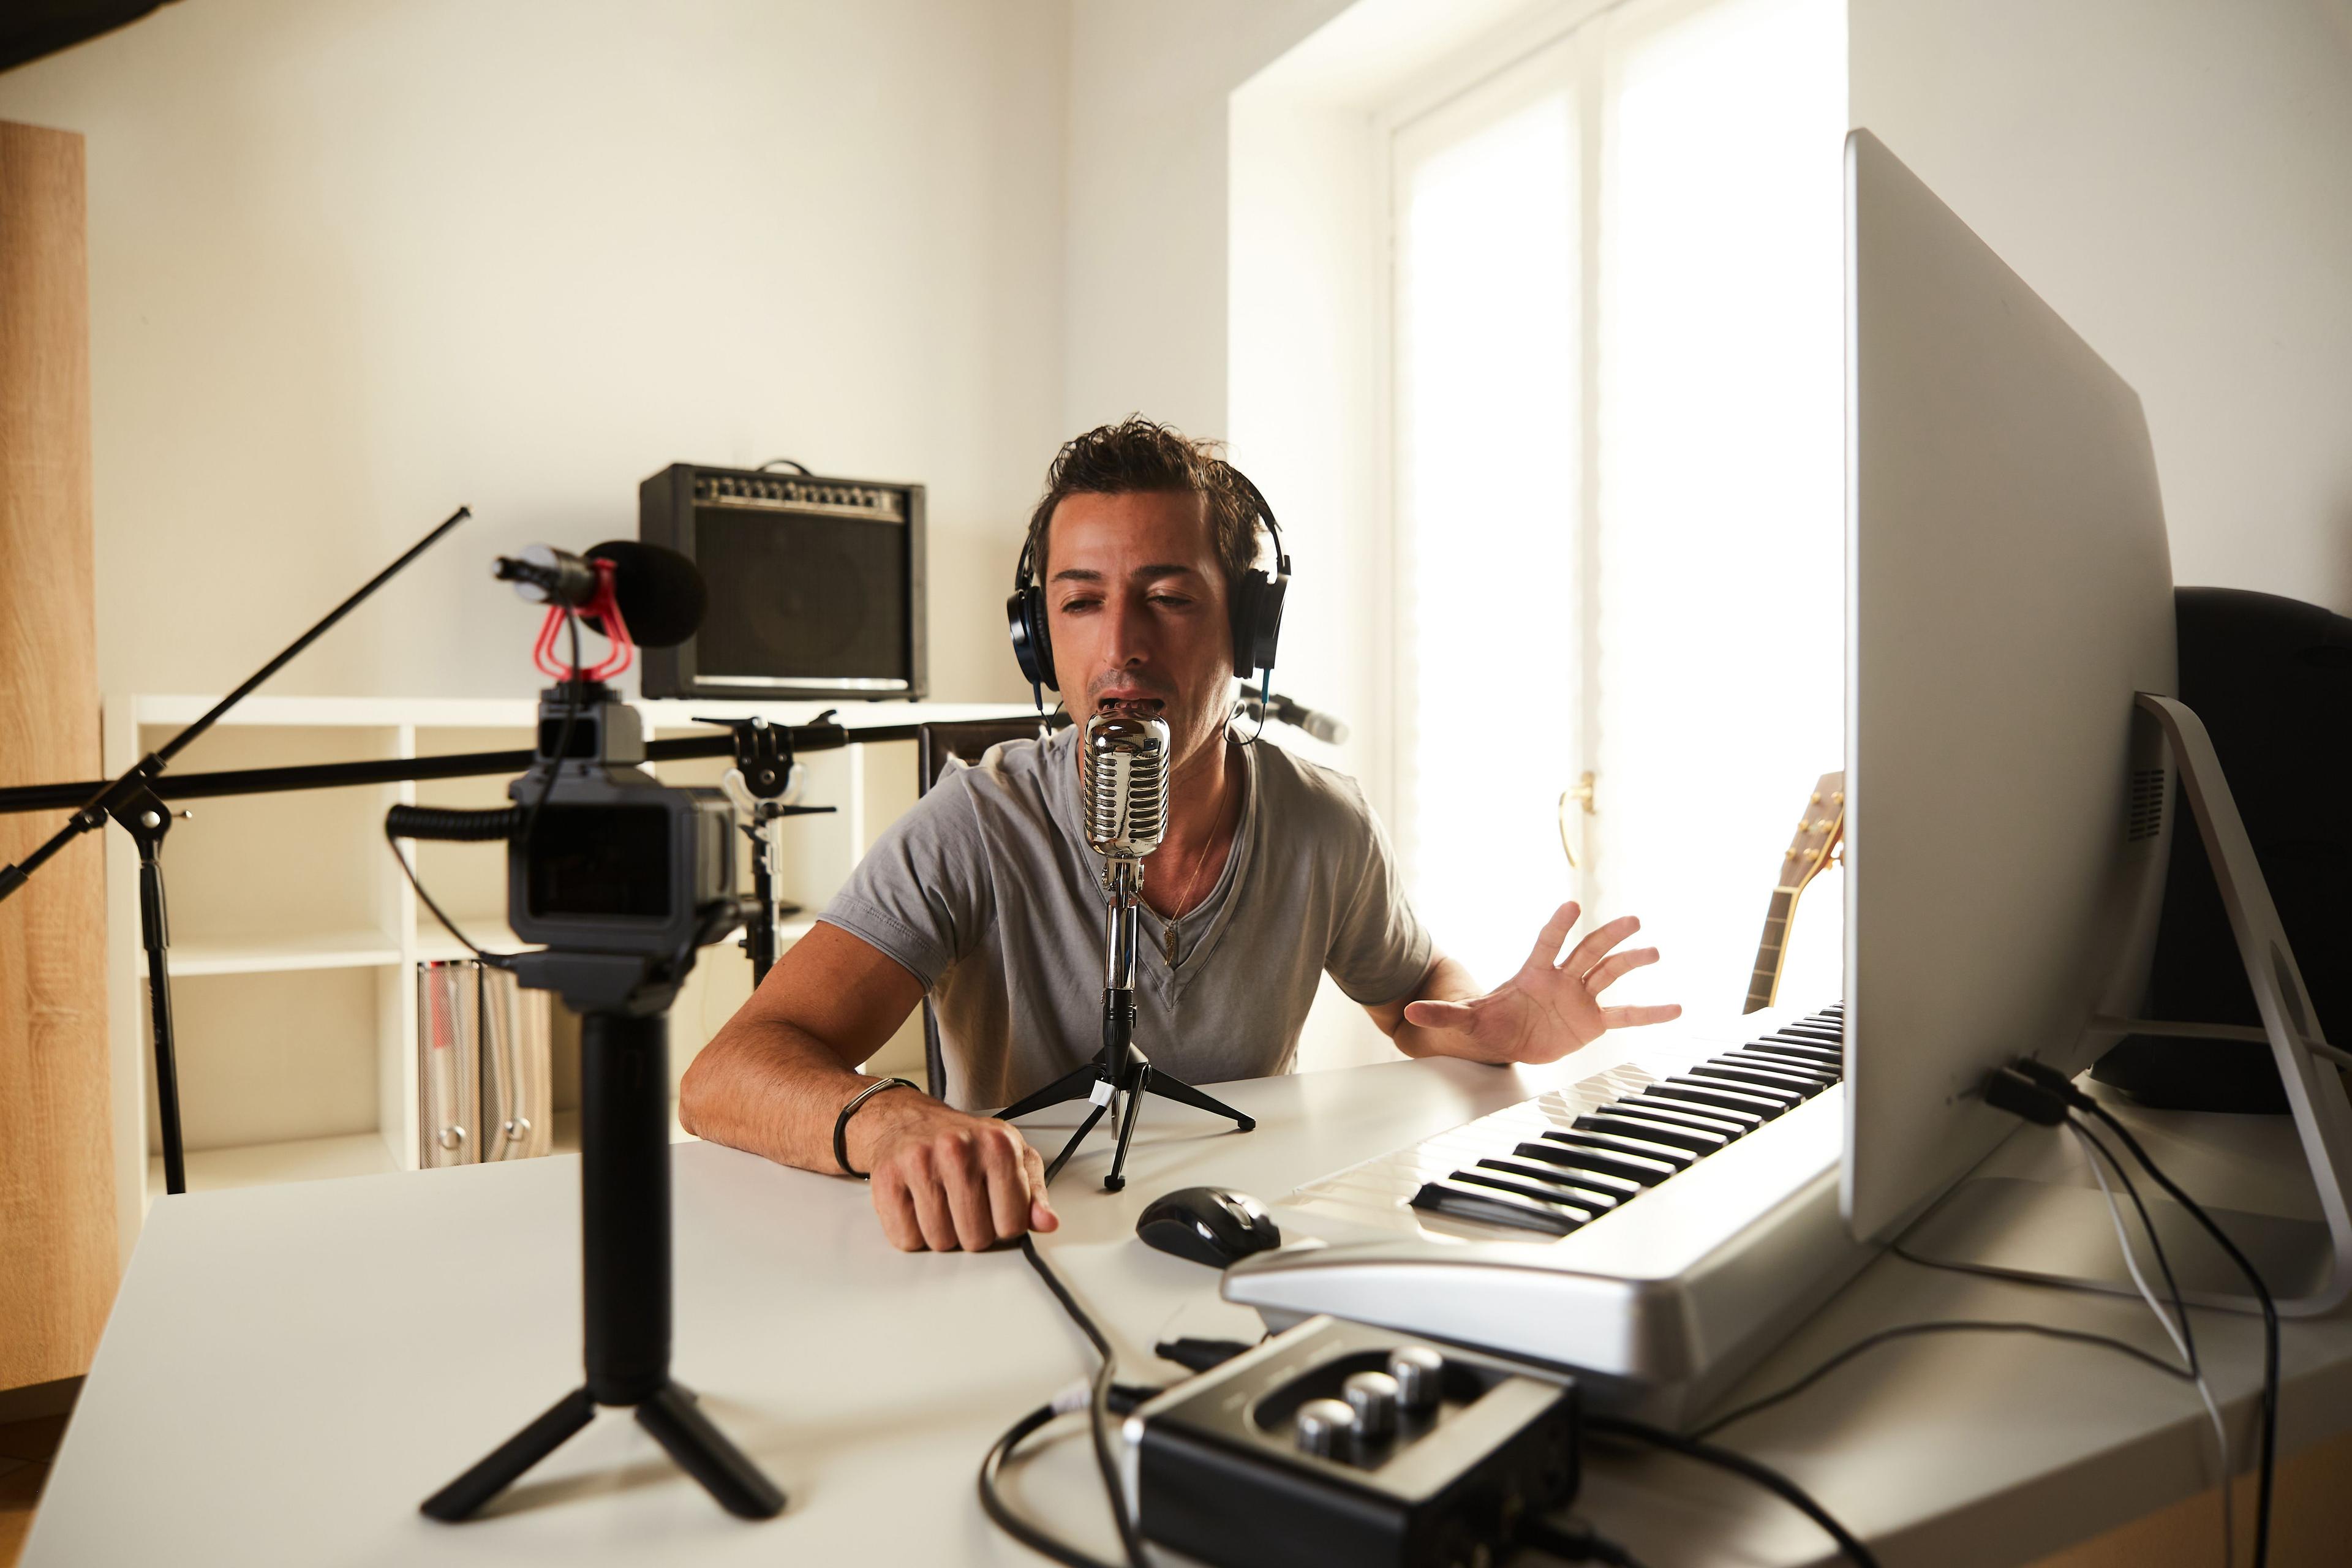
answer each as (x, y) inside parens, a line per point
(1207, 1225)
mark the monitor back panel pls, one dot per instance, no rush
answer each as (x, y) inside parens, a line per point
(2009, 589)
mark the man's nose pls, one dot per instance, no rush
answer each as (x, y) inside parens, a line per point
(1127, 643)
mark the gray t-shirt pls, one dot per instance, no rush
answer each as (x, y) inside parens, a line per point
(987, 893)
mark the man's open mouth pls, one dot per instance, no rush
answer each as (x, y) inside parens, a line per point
(1132, 707)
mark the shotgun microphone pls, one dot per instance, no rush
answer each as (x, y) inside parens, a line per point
(660, 592)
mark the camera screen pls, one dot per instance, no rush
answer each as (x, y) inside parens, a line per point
(601, 860)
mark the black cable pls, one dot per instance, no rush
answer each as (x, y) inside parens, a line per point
(2267, 1465)
(1740, 1465)
(1130, 1539)
(782, 462)
(2155, 1242)
(495, 960)
(1577, 1543)
(992, 1503)
(562, 734)
(1943, 1325)
(531, 818)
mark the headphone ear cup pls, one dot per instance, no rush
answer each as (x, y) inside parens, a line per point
(1243, 617)
(1033, 649)
(1258, 622)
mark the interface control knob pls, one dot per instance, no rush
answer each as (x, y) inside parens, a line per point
(1372, 1398)
(1420, 1375)
(1323, 1427)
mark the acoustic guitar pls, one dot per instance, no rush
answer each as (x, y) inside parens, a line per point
(1820, 835)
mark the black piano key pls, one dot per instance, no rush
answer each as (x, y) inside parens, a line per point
(1689, 1138)
(1809, 1047)
(1493, 1207)
(1776, 1061)
(1700, 1092)
(1747, 1078)
(1715, 1116)
(1527, 1187)
(1638, 1122)
(1830, 1068)
(1673, 1115)
(1644, 1163)
(1607, 1172)
(1819, 1056)
(1823, 1033)
(1807, 1078)
(1582, 1189)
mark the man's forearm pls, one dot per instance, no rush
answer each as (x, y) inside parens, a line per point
(770, 1088)
(1445, 982)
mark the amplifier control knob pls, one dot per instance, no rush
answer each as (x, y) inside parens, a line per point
(1323, 1427)
(1372, 1398)
(1420, 1375)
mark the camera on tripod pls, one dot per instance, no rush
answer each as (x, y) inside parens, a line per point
(607, 858)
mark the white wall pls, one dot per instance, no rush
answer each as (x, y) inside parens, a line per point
(1149, 84)
(354, 263)
(2175, 177)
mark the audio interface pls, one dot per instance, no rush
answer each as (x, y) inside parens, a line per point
(1343, 1445)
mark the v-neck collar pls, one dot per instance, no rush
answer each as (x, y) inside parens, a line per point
(1220, 903)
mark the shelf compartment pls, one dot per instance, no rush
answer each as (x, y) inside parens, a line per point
(283, 952)
(264, 1164)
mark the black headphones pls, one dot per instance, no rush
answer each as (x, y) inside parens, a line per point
(1255, 607)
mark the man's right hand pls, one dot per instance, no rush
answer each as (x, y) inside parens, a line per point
(944, 1179)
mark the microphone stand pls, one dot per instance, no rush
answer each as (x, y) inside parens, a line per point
(1120, 1068)
(132, 801)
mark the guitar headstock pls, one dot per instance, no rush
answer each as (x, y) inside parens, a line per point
(1820, 831)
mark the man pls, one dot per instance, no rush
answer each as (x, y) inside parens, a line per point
(1271, 871)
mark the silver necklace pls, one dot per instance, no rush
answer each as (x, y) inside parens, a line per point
(1167, 927)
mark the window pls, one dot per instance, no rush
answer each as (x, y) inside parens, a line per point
(1615, 308)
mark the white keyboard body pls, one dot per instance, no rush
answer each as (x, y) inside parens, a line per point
(1657, 1304)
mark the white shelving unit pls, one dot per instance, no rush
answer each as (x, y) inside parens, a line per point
(295, 938)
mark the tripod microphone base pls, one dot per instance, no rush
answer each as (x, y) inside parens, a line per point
(1133, 1077)
(670, 1414)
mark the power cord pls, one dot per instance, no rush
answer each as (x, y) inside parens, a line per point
(1740, 1465)
(1909, 1331)
(2042, 1095)
(1577, 1543)
(2176, 1326)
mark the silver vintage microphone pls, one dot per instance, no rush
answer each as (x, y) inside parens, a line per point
(1123, 790)
(1123, 776)
(1123, 772)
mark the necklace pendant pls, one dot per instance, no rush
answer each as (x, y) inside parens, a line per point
(1168, 942)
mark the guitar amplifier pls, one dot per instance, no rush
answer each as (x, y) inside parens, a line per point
(816, 583)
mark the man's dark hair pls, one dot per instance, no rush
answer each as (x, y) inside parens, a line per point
(1138, 456)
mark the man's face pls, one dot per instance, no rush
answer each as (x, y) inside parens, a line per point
(1136, 606)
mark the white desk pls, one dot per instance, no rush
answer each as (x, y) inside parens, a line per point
(289, 1370)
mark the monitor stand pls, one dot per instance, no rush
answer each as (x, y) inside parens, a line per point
(2018, 1216)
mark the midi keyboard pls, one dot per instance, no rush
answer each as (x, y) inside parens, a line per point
(1655, 1227)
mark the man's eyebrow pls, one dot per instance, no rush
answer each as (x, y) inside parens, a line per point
(1141, 574)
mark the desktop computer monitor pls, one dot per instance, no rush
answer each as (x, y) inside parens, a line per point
(2008, 590)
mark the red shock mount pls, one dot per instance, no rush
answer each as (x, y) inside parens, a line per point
(603, 614)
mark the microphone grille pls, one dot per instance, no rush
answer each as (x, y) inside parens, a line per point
(1123, 778)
